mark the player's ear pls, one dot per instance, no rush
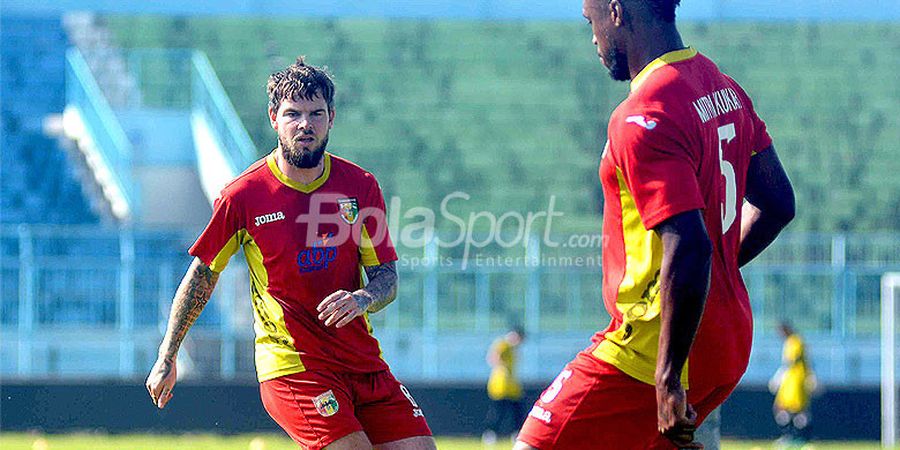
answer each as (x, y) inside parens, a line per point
(330, 117)
(272, 116)
(616, 13)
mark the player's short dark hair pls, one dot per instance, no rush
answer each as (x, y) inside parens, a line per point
(300, 80)
(663, 9)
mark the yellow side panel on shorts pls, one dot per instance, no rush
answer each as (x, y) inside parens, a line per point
(275, 352)
(634, 345)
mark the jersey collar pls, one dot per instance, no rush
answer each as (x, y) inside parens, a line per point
(668, 58)
(304, 188)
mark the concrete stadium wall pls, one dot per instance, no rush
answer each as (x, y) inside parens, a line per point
(452, 409)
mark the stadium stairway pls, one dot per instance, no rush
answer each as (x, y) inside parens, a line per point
(134, 119)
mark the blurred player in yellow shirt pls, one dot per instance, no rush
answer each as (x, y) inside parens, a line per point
(503, 386)
(792, 386)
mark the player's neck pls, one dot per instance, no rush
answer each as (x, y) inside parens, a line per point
(302, 176)
(662, 38)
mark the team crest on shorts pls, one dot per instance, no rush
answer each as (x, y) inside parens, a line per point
(349, 209)
(326, 404)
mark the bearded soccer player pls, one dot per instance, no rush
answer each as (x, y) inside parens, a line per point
(693, 190)
(309, 223)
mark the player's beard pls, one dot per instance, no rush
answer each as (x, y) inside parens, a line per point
(618, 64)
(300, 156)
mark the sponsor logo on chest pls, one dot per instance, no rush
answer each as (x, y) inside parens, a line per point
(267, 218)
(318, 256)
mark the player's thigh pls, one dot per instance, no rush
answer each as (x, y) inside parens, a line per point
(387, 410)
(591, 404)
(353, 441)
(313, 408)
(413, 443)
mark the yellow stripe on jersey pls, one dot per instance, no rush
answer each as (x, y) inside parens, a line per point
(633, 346)
(367, 250)
(304, 188)
(668, 58)
(228, 250)
(276, 354)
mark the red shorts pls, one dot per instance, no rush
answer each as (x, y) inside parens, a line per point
(317, 408)
(592, 404)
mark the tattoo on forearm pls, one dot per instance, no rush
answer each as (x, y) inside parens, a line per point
(190, 299)
(382, 287)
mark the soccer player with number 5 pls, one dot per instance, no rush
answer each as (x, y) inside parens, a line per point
(693, 190)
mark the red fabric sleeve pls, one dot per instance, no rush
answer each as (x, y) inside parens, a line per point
(379, 248)
(761, 139)
(221, 238)
(658, 167)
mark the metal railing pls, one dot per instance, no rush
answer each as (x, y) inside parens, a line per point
(68, 292)
(209, 98)
(105, 131)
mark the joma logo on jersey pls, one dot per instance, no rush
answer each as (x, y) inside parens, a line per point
(266, 218)
(318, 256)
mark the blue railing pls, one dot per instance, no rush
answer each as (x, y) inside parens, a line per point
(107, 134)
(118, 283)
(209, 98)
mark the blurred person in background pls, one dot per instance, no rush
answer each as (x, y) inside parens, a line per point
(312, 226)
(503, 387)
(793, 385)
(693, 190)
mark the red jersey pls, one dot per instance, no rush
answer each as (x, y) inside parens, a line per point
(682, 140)
(302, 242)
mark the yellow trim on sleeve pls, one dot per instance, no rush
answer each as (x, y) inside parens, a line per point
(275, 352)
(366, 250)
(668, 58)
(304, 188)
(228, 250)
(633, 347)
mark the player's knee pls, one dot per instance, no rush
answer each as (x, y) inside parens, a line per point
(413, 443)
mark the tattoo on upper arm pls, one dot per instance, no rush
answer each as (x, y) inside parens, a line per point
(193, 293)
(382, 286)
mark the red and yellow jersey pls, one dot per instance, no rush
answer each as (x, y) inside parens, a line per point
(681, 141)
(302, 242)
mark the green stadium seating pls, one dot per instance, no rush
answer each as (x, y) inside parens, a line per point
(513, 112)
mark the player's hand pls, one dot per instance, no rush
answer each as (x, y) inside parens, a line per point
(676, 419)
(341, 307)
(161, 381)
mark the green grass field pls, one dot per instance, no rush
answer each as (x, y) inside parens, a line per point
(23, 441)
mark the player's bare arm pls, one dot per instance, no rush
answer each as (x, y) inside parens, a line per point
(769, 206)
(341, 307)
(684, 285)
(191, 297)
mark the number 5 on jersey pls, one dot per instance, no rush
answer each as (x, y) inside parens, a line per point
(556, 386)
(729, 206)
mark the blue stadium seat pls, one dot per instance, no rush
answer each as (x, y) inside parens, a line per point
(38, 180)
